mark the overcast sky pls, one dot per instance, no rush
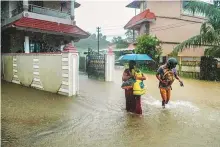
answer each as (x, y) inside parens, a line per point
(110, 15)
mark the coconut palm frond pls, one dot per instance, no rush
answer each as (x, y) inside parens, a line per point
(209, 31)
(210, 38)
(192, 42)
(202, 7)
(206, 27)
(213, 51)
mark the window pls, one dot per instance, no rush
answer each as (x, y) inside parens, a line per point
(187, 12)
(147, 28)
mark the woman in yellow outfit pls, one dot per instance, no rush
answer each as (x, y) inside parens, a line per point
(138, 90)
(134, 88)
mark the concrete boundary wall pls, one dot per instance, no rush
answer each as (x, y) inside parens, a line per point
(52, 72)
(55, 73)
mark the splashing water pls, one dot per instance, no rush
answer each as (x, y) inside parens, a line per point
(149, 100)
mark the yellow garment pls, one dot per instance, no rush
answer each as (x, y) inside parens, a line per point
(133, 72)
(138, 87)
(168, 76)
(165, 94)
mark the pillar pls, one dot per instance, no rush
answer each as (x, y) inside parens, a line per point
(70, 71)
(26, 44)
(36, 82)
(72, 12)
(15, 78)
(10, 8)
(25, 5)
(109, 66)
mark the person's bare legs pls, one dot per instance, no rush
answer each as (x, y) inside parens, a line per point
(168, 95)
(163, 93)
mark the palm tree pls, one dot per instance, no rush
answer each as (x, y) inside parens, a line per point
(210, 30)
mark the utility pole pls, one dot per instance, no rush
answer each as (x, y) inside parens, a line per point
(98, 30)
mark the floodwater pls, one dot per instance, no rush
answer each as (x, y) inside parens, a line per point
(96, 118)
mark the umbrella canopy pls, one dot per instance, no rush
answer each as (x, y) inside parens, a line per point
(136, 57)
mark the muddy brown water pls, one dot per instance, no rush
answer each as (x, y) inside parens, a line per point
(96, 118)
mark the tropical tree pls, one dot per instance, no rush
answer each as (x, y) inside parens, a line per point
(209, 35)
(149, 45)
(91, 41)
(120, 43)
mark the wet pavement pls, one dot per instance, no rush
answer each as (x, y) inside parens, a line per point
(96, 118)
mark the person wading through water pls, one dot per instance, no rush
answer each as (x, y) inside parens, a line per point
(165, 74)
(133, 103)
(138, 90)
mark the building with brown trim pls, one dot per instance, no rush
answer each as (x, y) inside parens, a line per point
(38, 26)
(169, 22)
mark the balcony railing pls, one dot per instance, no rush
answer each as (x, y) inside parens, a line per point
(48, 11)
(35, 9)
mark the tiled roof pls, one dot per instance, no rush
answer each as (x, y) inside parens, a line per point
(143, 16)
(26, 22)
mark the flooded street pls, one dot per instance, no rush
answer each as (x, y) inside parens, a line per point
(97, 117)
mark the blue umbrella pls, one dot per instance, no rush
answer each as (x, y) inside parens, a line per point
(136, 57)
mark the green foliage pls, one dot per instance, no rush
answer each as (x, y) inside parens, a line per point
(92, 41)
(120, 43)
(146, 70)
(173, 54)
(210, 30)
(214, 51)
(149, 45)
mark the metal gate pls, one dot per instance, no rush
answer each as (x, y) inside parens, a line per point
(95, 65)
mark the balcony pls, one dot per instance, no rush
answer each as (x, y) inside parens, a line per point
(48, 12)
(35, 9)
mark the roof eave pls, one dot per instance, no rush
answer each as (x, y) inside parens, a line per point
(138, 23)
(80, 36)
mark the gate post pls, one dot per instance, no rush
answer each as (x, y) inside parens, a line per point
(109, 66)
(70, 71)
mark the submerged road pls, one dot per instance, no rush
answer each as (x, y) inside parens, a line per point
(96, 118)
